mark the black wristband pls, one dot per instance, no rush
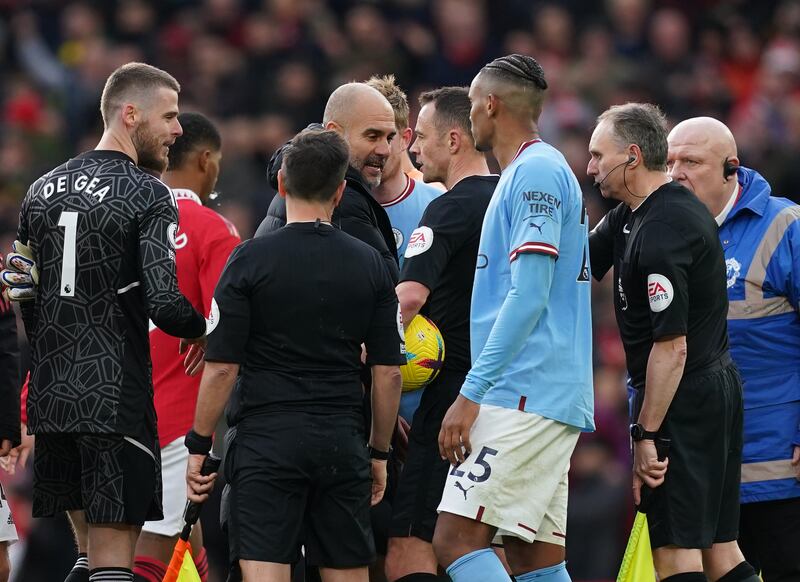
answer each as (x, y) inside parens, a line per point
(377, 454)
(197, 444)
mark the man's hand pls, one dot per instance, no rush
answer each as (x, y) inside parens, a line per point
(647, 469)
(21, 275)
(197, 486)
(454, 442)
(19, 454)
(796, 462)
(378, 469)
(195, 350)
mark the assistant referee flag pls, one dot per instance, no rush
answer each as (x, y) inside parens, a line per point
(181, 567)
(637, 563)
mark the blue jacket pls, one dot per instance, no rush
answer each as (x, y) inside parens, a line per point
(761, 239)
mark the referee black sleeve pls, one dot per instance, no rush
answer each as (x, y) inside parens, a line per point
(229, 325)
(385, 341)
(443, 224)
(664, 261)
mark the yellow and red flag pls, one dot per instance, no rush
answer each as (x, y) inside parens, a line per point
(181, 567)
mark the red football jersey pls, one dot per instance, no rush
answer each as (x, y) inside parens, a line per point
(203, 242)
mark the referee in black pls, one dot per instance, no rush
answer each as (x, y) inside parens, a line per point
(294, 307)
(671, 306)
(436, 281)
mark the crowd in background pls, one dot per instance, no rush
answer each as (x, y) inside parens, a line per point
(262, 69)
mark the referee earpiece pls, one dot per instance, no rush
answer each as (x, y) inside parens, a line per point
(728, 169)
(631, 159)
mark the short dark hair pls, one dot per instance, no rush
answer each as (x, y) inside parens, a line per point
(643, 124)
(130, 78)
(198, 132)
(314, 164)
(525, 74)
(452, 108)
(517, 69)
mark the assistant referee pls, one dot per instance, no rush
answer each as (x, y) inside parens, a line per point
(294, 307)
(671, 306)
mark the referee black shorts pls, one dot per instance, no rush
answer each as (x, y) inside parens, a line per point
(111, 477)
(698, 503)
(424, 473)
(300, 479)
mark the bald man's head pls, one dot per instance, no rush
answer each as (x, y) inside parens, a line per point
(350, 100)
(366, 121)
(707, 130)
(700, 150)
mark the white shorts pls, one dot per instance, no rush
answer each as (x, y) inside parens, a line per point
(515, 479)
(8, 532)
(174, 458)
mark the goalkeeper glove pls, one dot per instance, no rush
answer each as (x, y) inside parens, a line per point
(20, 276)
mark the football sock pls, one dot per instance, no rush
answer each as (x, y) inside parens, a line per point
(686, 577)
(147, 569)
(478, 566)
(110, 575)
(744, 572)
(557, 573)
(423, 577)
(201, 563)
(80, 571)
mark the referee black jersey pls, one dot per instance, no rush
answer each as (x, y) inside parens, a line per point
(103, 234)
(442, 255)
(669, 277)
(294, 307)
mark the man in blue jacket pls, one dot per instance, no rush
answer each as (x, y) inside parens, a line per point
(760, 235)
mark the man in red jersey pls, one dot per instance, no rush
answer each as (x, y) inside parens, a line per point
(203, 242)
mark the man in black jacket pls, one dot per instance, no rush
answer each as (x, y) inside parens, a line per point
(366, 121)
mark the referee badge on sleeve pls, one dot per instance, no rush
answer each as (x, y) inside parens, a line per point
(659, 292)
(213, 317)
(419, 241)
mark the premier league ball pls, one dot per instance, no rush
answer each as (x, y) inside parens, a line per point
(424, 352)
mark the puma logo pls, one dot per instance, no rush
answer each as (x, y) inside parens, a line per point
(537, 226)
(464, 491)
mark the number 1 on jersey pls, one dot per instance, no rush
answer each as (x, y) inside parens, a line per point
(69, 220)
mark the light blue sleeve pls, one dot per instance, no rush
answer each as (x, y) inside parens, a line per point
(535, 205)
(531, 278)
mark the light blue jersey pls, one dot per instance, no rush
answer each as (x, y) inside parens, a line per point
(530, 323)
(406, 210)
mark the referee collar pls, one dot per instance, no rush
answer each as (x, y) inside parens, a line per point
(186, 194)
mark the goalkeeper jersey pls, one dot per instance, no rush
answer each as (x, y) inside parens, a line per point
(103, 234)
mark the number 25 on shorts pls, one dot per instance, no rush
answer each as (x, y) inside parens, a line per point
(481, 460)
